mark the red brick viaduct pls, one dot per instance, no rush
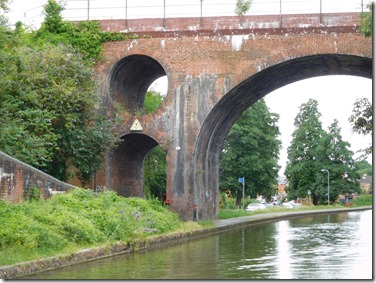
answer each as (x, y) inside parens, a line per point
(214, 74)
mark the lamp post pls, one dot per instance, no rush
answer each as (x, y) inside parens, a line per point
(324, 170)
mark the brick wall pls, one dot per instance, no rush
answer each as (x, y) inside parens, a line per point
(231, 22)
(17, 178)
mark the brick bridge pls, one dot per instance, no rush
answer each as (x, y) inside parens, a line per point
(213, 76)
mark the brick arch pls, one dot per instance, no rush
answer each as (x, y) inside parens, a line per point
(127, 164)
(131, 77)
(220, 119)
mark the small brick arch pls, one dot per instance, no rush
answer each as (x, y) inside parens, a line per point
(219, 121)
(130, 79)
(126, 164)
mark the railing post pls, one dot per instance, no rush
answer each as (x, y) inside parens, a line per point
(126, 15)
(280, 13)
(88, 9)
(320, 12)
(164, 13)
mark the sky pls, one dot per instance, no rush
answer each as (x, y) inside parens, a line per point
(335, 94)
(30, 12)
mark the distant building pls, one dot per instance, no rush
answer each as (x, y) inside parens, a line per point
(366, 184)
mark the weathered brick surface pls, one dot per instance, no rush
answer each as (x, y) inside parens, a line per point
(212, 79)
(16, 178)
(231, 22)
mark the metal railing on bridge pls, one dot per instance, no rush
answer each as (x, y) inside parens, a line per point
(76, 10)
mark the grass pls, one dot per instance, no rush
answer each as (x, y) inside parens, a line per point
(76, 220)
(81, 219)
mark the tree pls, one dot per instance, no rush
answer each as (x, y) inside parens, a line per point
(251, 150)
(241, 8)
(86, 36)
(339, 162)
(366, 21)
(363, 168)
(49, 114)
(4, 5)
(361, 120)
(305, 154)
(153, 100)
(155, 173)
(313, 150)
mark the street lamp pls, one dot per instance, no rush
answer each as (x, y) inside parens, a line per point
(324, 170)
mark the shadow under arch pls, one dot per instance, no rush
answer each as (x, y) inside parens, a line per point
(127, 163)
(224, 114)
(130, 79)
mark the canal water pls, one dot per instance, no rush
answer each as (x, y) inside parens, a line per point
(334, 246)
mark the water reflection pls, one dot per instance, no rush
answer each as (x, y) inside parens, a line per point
(336, 246)
(283, 250)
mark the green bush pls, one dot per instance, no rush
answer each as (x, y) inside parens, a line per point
(363, 200)
(79, 218)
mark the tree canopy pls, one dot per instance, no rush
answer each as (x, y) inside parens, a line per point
(50, 104)
(251, 150)
(312, 152)
(366, 20)
(361, 120)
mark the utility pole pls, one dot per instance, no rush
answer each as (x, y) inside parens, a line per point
(242, 180)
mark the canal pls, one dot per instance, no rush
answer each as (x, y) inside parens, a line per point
(333, 246)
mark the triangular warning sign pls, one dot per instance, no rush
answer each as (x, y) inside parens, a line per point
(136, 126)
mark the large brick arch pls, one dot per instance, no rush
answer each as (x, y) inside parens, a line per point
(211, 81)
(220, 119)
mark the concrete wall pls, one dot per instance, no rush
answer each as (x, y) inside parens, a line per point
(18, 178)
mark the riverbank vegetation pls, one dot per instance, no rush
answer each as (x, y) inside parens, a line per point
(51, 113)
(231, 212)
(80, 219)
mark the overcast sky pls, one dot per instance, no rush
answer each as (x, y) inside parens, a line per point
(31, 11)
(335, 94)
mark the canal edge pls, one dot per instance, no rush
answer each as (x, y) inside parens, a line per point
(154, 242)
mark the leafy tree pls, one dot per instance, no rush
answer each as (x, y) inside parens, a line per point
(4, 5)
(49, 112)
(312, 150)
(363, 168)
(361, 120)
(85, 36)
(153, 100)
(251, 150)
(155, 173)
(241, 8)
(366, 21)
(339, 162)
(305, 154)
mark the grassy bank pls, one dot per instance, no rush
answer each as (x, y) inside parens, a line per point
(362, 200)
(79, 219)
(82, 219)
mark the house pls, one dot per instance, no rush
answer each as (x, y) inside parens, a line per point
(366, 184)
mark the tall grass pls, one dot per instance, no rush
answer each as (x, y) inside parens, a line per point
(78, 219)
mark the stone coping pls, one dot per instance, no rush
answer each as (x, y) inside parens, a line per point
(90, 254)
